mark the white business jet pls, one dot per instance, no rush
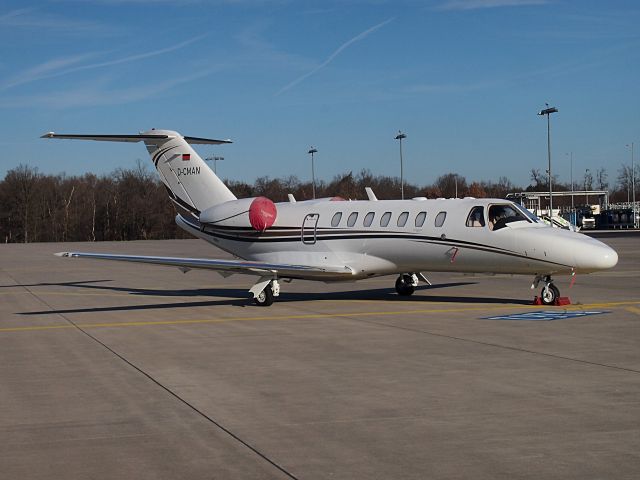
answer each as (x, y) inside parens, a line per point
(332, 240)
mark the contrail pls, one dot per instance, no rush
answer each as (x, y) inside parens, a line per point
(358, 37)
(55, 68)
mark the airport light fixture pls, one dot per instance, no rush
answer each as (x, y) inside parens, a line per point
(633, 187)
(311, 151)
(215, 160)
(571, 173)
(587, 173)
(455, 176)
(548, 111)
(400, 137)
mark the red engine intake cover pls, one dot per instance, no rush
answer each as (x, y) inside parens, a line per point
(262, 213)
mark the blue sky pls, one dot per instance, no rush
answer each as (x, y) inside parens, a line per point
(463, 79)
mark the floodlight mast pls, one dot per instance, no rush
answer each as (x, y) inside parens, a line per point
(215, 162)
(548, 111)
(311, 151)
(633, 186)
(400, 137)
(573, 213)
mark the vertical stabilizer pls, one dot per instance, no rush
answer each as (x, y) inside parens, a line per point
(191, 183)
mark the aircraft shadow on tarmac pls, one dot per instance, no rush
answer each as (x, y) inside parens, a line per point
(240, 297)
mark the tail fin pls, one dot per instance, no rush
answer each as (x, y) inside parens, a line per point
(190, 182)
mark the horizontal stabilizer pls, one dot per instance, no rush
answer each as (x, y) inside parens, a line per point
(133, 138)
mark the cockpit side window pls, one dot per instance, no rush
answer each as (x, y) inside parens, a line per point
(500, 215)
(476, 217)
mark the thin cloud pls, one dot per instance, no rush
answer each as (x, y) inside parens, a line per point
(259, 51)
(340, 49)
(483, 4)
(32, 18)
(451, 88)
(95, 95)
(56, 67)
(50, 68)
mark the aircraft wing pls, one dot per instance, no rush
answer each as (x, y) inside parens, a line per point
(228, 266)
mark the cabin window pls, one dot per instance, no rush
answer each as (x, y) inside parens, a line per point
(368, 219)
(500, 215)
(402, 219)
(440, 218)
(476, 217)
(335, 221)
(351, 221)
(420, 218)
(384, 220)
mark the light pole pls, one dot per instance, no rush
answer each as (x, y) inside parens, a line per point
(633, 187)
(399, 137)
(215, 162)
(571, 170)
(587, 174)
(548, 111)
(313, 171)
(455, 175)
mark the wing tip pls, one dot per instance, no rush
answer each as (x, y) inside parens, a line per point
(63, 254)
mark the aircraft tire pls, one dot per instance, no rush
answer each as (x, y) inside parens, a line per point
(403, 288)
(265, 297)
(549, 294)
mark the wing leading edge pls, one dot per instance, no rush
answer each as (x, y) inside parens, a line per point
(229, 266)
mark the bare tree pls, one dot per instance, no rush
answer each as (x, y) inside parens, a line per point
(624, 180)
(601, 176)
(588, 180)
(451, 184)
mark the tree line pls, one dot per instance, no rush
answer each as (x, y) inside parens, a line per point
(132, 204)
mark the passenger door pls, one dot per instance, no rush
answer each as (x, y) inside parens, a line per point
(309, 225)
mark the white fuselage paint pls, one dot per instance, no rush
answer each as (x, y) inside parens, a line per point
(303, 234)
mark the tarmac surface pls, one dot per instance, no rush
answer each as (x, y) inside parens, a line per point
(111, 370)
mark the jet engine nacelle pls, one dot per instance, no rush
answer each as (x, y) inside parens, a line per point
(257, 212)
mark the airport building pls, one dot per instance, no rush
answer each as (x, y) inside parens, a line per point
(587, 209)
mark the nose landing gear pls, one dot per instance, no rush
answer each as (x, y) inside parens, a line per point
(550, 293)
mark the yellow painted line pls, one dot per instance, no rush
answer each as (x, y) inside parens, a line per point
(633, 310)
(303, 317)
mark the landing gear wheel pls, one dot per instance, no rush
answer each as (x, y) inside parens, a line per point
(403, 286)
(265, 297)
(549, 294)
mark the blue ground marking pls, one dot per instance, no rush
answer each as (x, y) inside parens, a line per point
(545, 315)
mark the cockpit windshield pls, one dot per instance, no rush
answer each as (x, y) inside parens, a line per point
(530, 215)
(500, 215)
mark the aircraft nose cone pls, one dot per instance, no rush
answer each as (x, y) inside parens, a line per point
(610, 258)
(594, 255)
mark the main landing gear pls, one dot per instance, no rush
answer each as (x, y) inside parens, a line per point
(265, 291)
(406, 284)
(550, 292)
